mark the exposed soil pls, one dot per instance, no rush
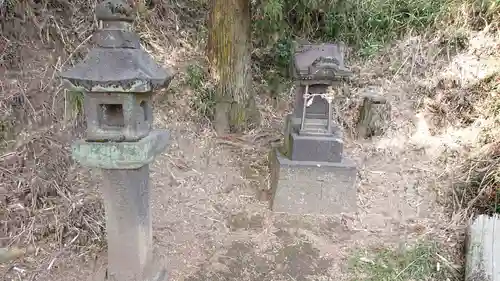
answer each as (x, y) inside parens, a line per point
(209, 225)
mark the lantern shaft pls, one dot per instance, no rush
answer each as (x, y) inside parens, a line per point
(128, 223)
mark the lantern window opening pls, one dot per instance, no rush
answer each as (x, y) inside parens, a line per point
(145, 109)
(111, 116)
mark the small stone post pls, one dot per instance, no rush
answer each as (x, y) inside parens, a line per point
(118, 79)
(374, 115)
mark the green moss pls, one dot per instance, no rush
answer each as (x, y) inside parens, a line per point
(76, 103)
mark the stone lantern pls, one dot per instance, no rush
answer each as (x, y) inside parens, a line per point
(118, 79)
(310, 174)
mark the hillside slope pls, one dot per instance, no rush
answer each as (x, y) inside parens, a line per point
(434, 167)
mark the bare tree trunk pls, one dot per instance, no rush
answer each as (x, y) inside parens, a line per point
(228, 50)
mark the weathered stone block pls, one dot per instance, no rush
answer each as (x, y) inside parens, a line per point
(321, 148)
(311, 187)
(122, 39)
(483, 249)
(120, 155)
(316, 148)
(374, 115)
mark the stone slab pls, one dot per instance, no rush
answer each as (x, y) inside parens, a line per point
(327, 148)
(120, 155)
(309, 187)
(316, 148)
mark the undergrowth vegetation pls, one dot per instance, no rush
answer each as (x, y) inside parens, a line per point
(45, 197)
(477, 182)
(423, 261)
(366, 25)
(203, 102)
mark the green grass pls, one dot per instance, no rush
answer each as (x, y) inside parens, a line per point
(195, 76)
(420, 262)
(367, 25)
(371, 24)
(203, 100)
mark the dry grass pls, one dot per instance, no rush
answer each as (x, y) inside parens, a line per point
(44, 194)
(47, 200)
(452, 84)
(460, 104)
(477, 181)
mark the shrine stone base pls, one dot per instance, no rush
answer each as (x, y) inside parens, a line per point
(322, 148)
(315, 148)
(310, 187)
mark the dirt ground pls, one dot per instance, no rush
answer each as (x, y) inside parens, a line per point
(209, 225)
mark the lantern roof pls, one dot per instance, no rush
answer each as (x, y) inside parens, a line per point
(117, 63)
(319, 63)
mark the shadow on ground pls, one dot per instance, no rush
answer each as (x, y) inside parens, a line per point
(291, 255)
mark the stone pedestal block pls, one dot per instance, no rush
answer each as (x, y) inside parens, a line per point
(321, 148)
(312, 187)
(316, 148)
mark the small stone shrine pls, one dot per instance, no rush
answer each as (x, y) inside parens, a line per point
(309, 174)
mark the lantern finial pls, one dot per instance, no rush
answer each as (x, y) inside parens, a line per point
(114, 10)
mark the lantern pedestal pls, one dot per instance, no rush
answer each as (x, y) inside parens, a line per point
(120, 155)
(126, 194)
(312, 187)
(118, 79)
